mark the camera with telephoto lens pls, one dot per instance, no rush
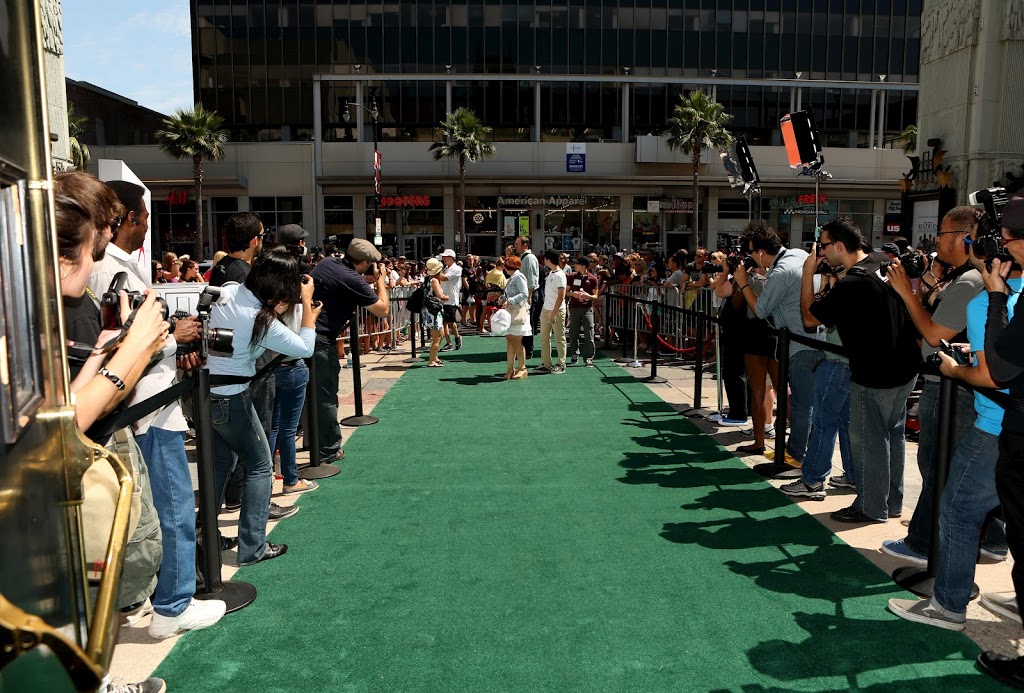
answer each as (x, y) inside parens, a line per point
(212, 340)
(110, 304)
(961, 358)
(993, 200)
(733, 261)
(913, 264)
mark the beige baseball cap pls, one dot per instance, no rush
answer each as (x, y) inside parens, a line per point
(434, 267)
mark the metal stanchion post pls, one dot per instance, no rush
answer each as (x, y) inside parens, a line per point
(654, 378)
(412, 337)
(698, 364)
(922, 582)
(782, 397)
(357, 382)
(622, 337)
(316, 469)
(718, 367)
(235, 594)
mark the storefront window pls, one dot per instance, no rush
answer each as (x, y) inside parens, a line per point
(601, 227)
(174, 224)
(481, 225)
(563, 229)
(422, 224)
(646, 226)
(277, 211)
(222, 209)
(338, 220)
(388, 226)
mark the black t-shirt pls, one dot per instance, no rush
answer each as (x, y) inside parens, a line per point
(229, 269)
(342, 290)
(81, 324)
(874, 325)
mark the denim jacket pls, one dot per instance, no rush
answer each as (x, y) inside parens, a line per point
(516, 290)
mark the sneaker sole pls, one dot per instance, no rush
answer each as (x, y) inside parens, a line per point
(806, 495)
(1000, 610)
(934, 622)
(923, 562)
(282, 517)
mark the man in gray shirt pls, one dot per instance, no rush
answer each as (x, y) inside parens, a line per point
(780, 301)
(531, 270)
(939, 312)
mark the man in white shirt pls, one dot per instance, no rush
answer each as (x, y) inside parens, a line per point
(161, 438)
(452, 287)
(552, 316)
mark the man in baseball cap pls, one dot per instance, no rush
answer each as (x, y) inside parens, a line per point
(452, 287)
(342, 285)
(292, 234)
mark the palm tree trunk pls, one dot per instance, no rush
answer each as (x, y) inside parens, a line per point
(197, 174)
(461, 225)
(696, 196)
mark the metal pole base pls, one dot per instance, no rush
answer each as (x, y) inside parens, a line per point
(919, 582)
(323, 471)
(623, 360)
(654, 380)
(412, 360)
(354, 421)
(237, 595)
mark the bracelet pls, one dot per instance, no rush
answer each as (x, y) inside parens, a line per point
(118, 383)
(745, 286)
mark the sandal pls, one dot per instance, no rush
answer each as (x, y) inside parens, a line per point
(435, 364)
(301, 487)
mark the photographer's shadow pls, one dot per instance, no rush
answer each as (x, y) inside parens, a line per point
(737, 533)
(690, 477)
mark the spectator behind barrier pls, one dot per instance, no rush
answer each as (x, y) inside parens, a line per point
(1004, 351)
(884, 359)
(780, 301)
(942, 317)
(253, 311)
(244, 232)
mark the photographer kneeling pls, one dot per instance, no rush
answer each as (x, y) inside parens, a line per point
(253, 312)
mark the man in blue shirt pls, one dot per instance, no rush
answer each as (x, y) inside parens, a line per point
(780, 301)
(970, 491)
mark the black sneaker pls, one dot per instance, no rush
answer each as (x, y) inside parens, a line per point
(447, 347)
(574, 360)
(798, 489)
(1009, 671)
(458, 343)
(841, 481)
(232, 507)
(272, 551)
(279, 512)
(853, 516)
(589, 363)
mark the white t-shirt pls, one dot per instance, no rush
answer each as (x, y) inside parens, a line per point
(555, 281)
(452, 284)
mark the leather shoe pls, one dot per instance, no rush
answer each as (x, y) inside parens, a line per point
(853, 516)
(1009, 671)
(228, 543)
(272, 551)
(333, 457)
(278, 512)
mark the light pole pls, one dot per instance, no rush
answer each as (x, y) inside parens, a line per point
(375, 115)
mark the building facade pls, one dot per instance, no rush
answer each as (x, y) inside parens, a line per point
(576, 94)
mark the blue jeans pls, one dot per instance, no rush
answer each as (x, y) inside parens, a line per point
(174, 500)
(289, 396)
(830, 418)
(969, 495)
(878, 419)
(919, 534)
(802, 401)
(238, 435)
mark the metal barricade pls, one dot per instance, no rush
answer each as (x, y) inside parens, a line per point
(372, 328)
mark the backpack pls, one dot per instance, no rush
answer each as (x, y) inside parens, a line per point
(415, 302)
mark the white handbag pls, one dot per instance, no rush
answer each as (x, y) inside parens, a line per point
(501, 321)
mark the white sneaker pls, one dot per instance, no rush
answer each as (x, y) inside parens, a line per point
(133, 617)
(198, 615)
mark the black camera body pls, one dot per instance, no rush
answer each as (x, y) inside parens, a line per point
(110, 304)
(733, 261)
(913, 264)
(993, 200)
(945, 347)
(988, 246)
(212, 340)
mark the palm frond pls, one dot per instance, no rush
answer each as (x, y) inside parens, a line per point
(192, 133)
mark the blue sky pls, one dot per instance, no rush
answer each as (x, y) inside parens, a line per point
(137, 48)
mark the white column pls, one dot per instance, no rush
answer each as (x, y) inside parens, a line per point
(537, 115)
(874, 108)
(359, 112)
(625, 120)
(625, 239)
(883, 102)
(448, 96)
(318, 129)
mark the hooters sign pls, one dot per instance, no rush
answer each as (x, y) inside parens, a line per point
(405, 201)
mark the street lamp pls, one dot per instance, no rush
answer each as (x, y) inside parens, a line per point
(378, 240)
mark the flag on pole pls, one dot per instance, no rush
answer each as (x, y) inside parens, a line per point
(376, 172)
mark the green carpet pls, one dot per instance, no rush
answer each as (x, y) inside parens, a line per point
(566, 533)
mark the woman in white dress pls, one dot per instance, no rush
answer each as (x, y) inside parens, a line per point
(516, 301)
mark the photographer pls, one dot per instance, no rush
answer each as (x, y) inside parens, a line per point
(884, 358)
(780, 300)
(253, 312)
(943, 318)
(970, 492)
(1004, 348)
(85, 211)
(342, 287)
(733, 322)
(161, 435)
(244, 232)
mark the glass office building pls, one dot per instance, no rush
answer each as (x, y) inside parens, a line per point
(254, 63)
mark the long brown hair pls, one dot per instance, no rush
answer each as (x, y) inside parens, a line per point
(84, 206)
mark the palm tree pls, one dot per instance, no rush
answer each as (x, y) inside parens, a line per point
(463, 138)
(697, 123)
(196, 135)
(909, 136)
(80, 154)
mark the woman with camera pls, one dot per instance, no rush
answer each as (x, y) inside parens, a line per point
(516, 301)
(253, 312)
